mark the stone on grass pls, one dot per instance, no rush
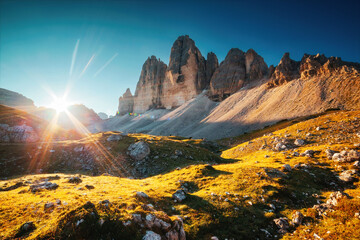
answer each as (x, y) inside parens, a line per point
(282, 224)
(297, 218)
(114, 137)
(75, 180)
(25, 229)
(150, 235)
(141, 195)
(179, 195)
(299, 142)
(139, 150)
(45, 185)
(286, 167)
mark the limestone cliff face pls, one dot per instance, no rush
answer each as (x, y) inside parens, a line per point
(235, 71)
(212, 64)
(230, 75)
(148, 92)
(286, 71)
(126, 103)
(185, 75)
(310, 66)
(256, 68)
(188, 74)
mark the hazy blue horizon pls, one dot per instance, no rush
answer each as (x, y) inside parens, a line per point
(112, 40)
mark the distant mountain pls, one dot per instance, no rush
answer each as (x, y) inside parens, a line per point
(83, 114)
(14, 99)
(79, 112)
(103, 115)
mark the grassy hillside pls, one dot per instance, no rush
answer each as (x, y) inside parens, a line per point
(238, 199)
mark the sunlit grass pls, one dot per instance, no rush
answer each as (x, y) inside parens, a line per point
(206, 213)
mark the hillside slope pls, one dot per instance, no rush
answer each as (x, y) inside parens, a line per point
(248, 109)
(317, 195)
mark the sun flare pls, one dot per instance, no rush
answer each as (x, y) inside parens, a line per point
(59, 104)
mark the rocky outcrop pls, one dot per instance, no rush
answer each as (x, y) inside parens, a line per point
(126, 103)
(256, 68)
(14, 99)
(235, 71)
(149, 88)
(17, 134)
(230, 76)
(286, 71)
(310, 66)
(212, 64)
(103, 115)
(185, 75)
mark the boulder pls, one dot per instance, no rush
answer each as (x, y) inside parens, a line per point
(75, 180)
(150, 235)
(179, 195)
(282, 224)
(114, 137)
(139, 150)
(286, 167)
(297, 218)
(141, 195)
(335, 197)
(299, 142)
(45, 185)
(25, 229)
(348, 176)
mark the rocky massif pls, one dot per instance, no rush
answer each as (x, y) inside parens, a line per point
(310, 66)
(241, 94)
(189, 73)
(162, 86)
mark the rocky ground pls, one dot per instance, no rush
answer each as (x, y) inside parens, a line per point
(298, 182)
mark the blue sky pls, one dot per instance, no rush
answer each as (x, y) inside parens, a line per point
(38, 38)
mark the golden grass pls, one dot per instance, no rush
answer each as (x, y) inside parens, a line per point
(244, 184)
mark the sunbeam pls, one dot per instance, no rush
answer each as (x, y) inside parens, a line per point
(105, 65)
(111, 161)
(87, 65)
(74, 57)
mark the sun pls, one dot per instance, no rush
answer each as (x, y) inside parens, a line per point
(60, 105)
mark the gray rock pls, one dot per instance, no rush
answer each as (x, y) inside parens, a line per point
(139, 150)
(45, 185)
(287, 167)
(308, 153)
(329, 153)
(114, 137)
(150, 235)
(282, 224)
(334, 198)
(49, 206)
(348, 176)
(178, 152)
(141, 195)
(297, 218)
(179, 195)
(75, 180)
(357, 164)
(299, 142)
(126, 103)
(137, 218)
